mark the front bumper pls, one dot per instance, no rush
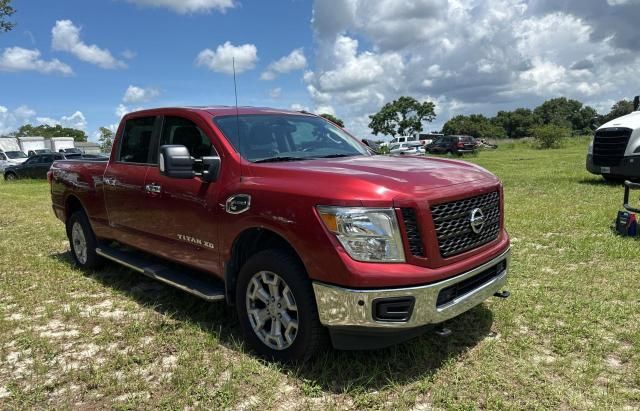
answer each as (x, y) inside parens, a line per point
(343, 307)
(629, 167)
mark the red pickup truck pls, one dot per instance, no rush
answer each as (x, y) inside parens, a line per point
(292, 220)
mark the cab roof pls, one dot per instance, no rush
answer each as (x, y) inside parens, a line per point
(226, 110)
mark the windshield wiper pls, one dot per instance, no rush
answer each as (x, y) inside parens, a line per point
(336, 155)
(278, 159)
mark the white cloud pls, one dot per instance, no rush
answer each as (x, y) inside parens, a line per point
(293, 61)
(299, 107)
(11, 120)
(66, 37)
(20, 59)
(129, 54)
(135, 94)
(76, 120)
(221, 60)
(469, 56)
(188, 6)
(275, 92)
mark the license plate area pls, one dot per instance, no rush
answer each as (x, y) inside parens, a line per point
(605, 170)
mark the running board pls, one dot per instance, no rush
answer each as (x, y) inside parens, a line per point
(205, 287)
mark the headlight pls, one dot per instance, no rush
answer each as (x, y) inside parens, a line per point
(590, 149)
(367, 234)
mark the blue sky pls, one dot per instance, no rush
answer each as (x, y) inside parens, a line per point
(162, 46)
(85, 63)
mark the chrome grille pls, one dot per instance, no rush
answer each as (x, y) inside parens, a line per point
(453, 226)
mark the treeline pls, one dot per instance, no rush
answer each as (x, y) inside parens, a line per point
(45, 130)
(560, 112)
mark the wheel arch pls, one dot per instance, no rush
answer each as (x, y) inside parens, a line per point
(247, 243)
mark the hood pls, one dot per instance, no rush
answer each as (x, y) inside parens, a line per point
(368, 178)
(631, 120)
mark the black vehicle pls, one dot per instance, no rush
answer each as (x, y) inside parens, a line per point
(458, 145)
(32, 153)
(72, 150)
(38, 165)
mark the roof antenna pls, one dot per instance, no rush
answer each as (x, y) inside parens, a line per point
(235, 90)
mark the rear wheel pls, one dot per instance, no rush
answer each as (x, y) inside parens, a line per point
(276, 307)
(10, 176)
(82, 240)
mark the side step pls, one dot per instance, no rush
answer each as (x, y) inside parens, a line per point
(205, 287)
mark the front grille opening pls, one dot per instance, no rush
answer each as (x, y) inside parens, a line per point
(454, 291)
(609, 145)
(413, 232)
(396, 309)
(453, 226)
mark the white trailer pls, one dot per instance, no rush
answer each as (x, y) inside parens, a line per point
(32, 145)
(58, 144)
(10, 153)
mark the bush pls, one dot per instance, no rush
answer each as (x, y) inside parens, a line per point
(550, 136)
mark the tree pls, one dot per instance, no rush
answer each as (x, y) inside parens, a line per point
(475, 125)
(567, 113)
(5, 11)
(45, 130)
(619, 109)
(403, 116)
(551, 135)
(333, 119)
(105, 140)
(516, 124)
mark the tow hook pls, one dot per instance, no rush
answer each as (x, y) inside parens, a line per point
(443, 331)
(502, 294)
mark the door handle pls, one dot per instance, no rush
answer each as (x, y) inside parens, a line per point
(110, 181)
(153, 188)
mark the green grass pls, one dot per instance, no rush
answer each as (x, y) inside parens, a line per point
(569, 336)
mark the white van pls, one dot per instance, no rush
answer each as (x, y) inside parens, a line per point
(32, 145)
(10, 153)
(59, 144)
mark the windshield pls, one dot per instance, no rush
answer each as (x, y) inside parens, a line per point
(15, 154)
(287, 137)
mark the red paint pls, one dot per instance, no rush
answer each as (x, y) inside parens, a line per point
(284, 197)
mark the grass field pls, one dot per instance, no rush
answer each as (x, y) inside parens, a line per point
(569, 336)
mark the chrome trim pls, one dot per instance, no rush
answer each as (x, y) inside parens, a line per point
(338, 306)
(231, 199)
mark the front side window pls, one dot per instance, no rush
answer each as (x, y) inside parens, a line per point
(287, 137)
(135, 143)
(15, 154)
(178, 130)
(33, 160)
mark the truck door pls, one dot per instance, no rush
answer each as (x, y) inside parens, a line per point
(184, 213)
(39, 169)
(28, 167)
(124, 192)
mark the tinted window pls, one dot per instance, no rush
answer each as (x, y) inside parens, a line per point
(268, 136)
(135, 143)
(178, 130)
(47, 158)
(2, 156)
(33, 160)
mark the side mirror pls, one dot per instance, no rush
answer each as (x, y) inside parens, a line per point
(210, 168)
(636, 103)
(176, 162)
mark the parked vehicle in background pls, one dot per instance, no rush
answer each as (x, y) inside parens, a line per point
(32, 153)
(399, 140)
(88, 147)
(428, 138)
(614, 152)
(407, 148)
(38, 165)
(71, 150)
(292, 220)
(457, 145)
(10, 153)
(31, 144)
(56, 144)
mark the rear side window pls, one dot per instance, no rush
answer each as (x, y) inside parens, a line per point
(47, 158)
(135, 143)
(178, 130)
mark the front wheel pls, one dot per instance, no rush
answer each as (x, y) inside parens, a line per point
(10, 176)
(83, 241)
(276, 307)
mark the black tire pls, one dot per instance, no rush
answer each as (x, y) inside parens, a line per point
(311, 336)
(89, 259)
(10, 176)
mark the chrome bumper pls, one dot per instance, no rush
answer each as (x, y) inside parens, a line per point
(339, 306)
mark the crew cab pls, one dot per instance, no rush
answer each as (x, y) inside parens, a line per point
(293, 221)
